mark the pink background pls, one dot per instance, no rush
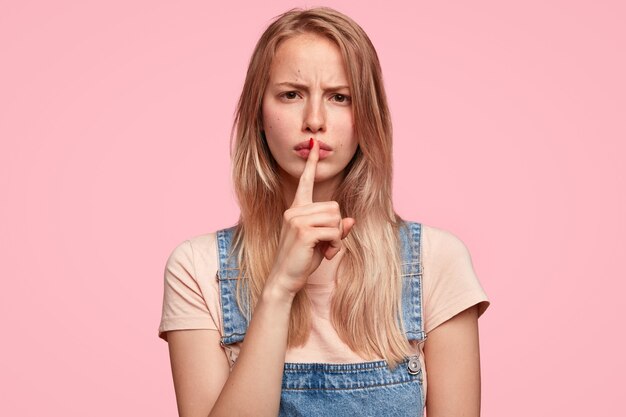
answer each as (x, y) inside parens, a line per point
(509, 121)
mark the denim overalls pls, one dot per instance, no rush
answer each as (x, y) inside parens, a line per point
(337, 390)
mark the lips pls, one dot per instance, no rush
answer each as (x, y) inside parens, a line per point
(305, 145)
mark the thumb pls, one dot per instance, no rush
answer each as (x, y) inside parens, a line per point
(333, 248)
(348, 222)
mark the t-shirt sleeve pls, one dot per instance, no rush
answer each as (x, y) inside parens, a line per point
(450, 283)
(184, 304)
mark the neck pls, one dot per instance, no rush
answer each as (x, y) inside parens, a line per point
(323, 190)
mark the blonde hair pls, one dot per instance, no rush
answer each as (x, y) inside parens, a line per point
(365, 307)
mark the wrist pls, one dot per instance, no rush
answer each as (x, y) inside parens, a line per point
(274, 293)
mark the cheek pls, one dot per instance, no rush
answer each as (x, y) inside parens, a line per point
(275, 130)
(273, 121)
(345, 130)
(269, 113)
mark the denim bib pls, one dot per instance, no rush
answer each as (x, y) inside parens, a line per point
(329, 389)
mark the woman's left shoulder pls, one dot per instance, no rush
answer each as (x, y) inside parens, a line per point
(450, 281)
(443, 244)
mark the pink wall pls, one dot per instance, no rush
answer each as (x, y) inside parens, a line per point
(510, 132)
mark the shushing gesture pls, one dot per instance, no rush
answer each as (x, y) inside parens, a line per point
(310, 232)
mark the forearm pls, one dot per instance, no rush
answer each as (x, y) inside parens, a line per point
(254, 385)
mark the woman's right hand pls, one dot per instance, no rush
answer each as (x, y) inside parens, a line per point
(310, 232)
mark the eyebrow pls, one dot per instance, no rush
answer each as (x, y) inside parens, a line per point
(306, 88)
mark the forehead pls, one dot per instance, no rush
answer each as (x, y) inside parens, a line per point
(308, 54)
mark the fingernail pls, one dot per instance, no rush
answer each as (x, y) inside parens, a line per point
(311, 142)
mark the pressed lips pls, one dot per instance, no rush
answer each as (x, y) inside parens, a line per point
(302, 149)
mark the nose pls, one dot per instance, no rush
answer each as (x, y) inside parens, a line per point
(314, 116)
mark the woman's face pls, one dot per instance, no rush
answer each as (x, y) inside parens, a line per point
(308, 96)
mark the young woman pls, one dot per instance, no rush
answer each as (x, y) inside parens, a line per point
(321, 300)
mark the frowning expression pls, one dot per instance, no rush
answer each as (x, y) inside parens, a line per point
(308, 95)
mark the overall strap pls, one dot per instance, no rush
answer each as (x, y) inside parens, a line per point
(234, 321)
(412, 273)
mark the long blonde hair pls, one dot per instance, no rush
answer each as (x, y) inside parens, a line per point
(365, 307)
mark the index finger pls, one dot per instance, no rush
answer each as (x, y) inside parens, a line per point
(304, 192)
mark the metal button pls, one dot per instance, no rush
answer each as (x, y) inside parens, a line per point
(414, 365)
